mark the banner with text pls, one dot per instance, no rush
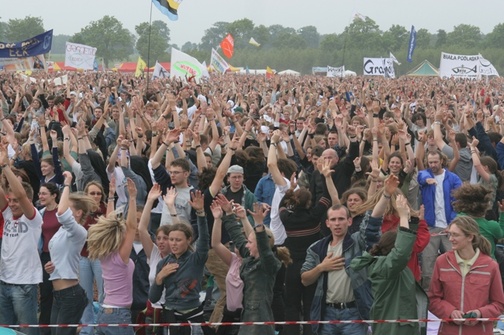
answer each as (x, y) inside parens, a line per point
(379, 67)
(459, 66)
(79, 56)
(336, 71)
(186, 66)
(217, 62)
(486, 68)
(34, 46)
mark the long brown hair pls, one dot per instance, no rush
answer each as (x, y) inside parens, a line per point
(469, 226)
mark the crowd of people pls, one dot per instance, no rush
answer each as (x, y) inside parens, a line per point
(283, 199)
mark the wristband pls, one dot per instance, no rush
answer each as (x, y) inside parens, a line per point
(200, 213)
(407, 143)
(386, 196)
(258, 225)
(376, 115)
(166, 144)
(3, 166)
(66, 186)
(173, 215)
(67, 139)
(198, 146)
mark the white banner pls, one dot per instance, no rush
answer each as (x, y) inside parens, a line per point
(79, 56)
(183, 65)
(379, 67)
(459, 66)
(336, 71)
(160, 72)
(217, 62)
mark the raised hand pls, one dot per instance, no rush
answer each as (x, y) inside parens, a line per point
(170, 196)
(197, 201)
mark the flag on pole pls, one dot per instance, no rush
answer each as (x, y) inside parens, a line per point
(411, 44)
(183, 65)
(254, 42)
(141, 65)
(227, 46)
(269, 72)
(160, 71)
(394, 59)
(168, 8)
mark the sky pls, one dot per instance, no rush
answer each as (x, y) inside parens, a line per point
(195, 16)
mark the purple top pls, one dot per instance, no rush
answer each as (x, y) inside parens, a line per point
(117, 281)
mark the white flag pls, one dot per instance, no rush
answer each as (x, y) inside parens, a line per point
(217, 62)
(486, 68)
(79, 56)
(391, 56)
(160, 71)
(184, 65)
(254, 42)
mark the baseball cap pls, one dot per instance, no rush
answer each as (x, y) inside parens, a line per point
(235, 169)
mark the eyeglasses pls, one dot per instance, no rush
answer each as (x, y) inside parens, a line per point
(95, 193)
(175, 172)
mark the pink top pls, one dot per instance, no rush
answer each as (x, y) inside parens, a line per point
(234, 285)
(117, 281)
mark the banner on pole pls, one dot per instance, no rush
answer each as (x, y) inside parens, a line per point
(217, 62)
(184, 65)
(34, 46)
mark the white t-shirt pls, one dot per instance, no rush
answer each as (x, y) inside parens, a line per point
(439, 204)
(120, 181)
(20, 261)
(276, 225)
(153, 261)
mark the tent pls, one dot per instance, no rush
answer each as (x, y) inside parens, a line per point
(425, 69)
(289, 73)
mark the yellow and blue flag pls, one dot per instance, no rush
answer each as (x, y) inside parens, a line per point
(168, 8)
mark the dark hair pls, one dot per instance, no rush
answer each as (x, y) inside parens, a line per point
(53, 190)
(205, 177)
(461, 139)
(181, 162)
(301, 198)
(385, 244)
(494, 137)
(398, 155)
(286, 166)
(361, 192)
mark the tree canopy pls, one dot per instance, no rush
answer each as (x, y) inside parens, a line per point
(159, 41)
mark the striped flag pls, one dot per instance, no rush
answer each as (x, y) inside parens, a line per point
(168, 8)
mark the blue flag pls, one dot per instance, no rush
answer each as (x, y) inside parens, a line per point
(38, 45)
(411, 44)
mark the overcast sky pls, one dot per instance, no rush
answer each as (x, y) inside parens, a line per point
(329, 16)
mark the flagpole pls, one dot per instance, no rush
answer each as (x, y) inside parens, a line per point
(148, 50)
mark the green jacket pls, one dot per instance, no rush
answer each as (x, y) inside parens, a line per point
(396, 293)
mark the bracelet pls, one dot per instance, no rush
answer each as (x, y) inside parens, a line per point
(63, 185)
(154, 133)
(175, 142)
(386, 196)
(352, 137)
(166, 144)
(258, 225)
(232, 149)
(173, 215)
(67, 139)
(140, 136)
(437, 122)
(358, 170)
(407, 143)
(80, 138)
(111, 200)
(200, 213)
(376, 115)
(198, 146)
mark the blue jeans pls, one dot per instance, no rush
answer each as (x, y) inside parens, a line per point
(332, 313)
(18, 304)
(67, 308)
(114, 315)
(90, 271)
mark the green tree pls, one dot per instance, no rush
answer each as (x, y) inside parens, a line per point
(465, 36)
(113, 42)
(3, 30)
(261, 34)
(159, 41)
(331, 42)
(441, 38)
(363, 34)
(496, 37)
(310, 35)
(22, 29)
(395, 38)
(423, 38)
(189, 46)
(59, 43)
(290, 41)
(214, 35)
(240, 29)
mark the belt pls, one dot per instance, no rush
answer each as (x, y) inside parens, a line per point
(342, 305)
(111, 310)
(8, 284)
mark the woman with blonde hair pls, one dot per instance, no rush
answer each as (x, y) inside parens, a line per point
(110, 240)
(64, 247)
(466, 282)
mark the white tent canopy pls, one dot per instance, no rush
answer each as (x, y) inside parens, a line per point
(289, 72)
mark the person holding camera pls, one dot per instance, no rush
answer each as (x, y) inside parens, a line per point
(466, 283)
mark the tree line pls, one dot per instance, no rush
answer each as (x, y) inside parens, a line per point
(281, 47)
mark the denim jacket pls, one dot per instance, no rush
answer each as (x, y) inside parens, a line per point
(353, 246)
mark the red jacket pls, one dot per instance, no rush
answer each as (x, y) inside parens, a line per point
(480, 289)
(391, 222)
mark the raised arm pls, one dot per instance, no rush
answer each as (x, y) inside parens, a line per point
(219, 248)
(143, 225)
(64, 203)
(277, 177)
(390, 186)
(131, 225)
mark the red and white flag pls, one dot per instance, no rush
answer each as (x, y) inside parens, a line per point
(227, 46)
